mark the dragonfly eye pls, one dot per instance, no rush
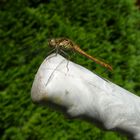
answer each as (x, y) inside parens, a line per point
(52, 42)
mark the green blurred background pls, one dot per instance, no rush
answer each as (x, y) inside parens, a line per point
(107, 29)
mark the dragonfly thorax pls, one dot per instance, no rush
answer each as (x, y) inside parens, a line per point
(62, 43)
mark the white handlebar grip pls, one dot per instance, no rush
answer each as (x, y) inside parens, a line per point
(84, 93)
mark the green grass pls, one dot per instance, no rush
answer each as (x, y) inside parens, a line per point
(107, 29)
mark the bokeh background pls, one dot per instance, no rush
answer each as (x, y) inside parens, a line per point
(107, 29)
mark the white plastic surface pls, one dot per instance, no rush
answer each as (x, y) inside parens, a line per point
(84, 93)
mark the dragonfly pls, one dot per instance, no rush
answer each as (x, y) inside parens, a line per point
(67, 44)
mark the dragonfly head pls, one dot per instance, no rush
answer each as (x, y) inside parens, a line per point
(52, 42)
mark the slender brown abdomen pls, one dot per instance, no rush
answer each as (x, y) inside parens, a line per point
(77, 48)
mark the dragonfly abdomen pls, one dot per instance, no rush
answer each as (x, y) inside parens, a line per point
(77, 48)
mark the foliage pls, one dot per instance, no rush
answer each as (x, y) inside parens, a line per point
(106, 29)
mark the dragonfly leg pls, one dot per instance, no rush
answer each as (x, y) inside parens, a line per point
(67, 59)
(57, 50)
(51, 76)
(50, 53)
